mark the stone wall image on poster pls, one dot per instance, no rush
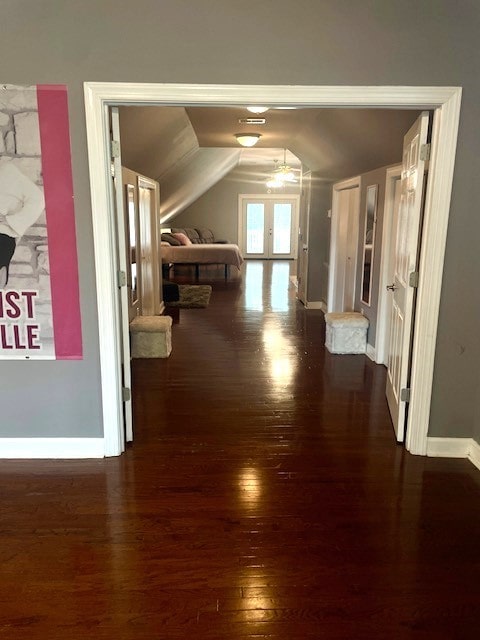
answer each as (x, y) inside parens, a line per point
(20, 149)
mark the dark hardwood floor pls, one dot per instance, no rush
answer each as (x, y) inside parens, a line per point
(264, 497)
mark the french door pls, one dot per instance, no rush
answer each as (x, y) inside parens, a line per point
(268, 226)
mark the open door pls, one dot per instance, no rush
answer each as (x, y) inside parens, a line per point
(403, 287)
(148, 259)
(123, 265)
(302, 272)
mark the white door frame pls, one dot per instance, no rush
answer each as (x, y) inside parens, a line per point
(338, 187)
(384, 296)
(269, 196)
(153, 187)
(446, 102)
(303, 235)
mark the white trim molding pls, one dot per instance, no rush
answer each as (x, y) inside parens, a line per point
(344, 185)
(444, 100)
(51, 448)
(432, 254)
(474, 453)
(370, 352)
(454, 448)
(384, 297)
(316, 304)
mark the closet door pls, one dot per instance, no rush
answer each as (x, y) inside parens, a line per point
(343, 248)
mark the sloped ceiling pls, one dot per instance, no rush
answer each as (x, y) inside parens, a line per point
(188, 150)
(186, 182)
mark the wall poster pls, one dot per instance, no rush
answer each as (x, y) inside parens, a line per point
(39, 294)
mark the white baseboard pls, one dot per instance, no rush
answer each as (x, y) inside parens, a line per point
(317, 304)
(50, 448)
(474, 454)
(370, 352)
(454, 448)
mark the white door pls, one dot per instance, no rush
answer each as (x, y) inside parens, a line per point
(302, 271)
(343, 249)
(147, 262)
(268, 227)
(405, 272)
(122, 265)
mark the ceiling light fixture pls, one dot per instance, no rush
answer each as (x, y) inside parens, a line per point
(281, 175)
(257, 109)
(247, 139)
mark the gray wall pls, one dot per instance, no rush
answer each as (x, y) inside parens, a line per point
(217, 209)
(370, 311)
(319, 239)
(193, 41)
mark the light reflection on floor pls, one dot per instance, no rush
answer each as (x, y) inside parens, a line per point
(277, 344)
(280, 286)
(254, 286)
(254, 276)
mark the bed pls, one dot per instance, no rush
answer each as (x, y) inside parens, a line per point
(198, 254)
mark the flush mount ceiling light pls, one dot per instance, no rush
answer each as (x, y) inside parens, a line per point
(247, 139)
(257, 109)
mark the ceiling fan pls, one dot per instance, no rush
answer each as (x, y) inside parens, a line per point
(282, 174)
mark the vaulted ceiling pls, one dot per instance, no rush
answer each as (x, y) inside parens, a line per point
(189, 150)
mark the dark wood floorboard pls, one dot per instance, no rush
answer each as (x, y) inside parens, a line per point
(264, 497)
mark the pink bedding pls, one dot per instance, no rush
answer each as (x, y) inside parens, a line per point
(203, 254)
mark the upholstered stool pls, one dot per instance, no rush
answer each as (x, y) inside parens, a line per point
(346, 332)
(151, 336)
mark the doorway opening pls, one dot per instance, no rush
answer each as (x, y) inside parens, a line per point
(445, 101)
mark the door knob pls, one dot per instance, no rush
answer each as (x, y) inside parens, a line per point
(391, 287)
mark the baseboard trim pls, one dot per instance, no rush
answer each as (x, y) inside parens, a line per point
(454, 448)
(317, 304)
(51, 448)
(448, 447)
(474, 454)
(370, 352)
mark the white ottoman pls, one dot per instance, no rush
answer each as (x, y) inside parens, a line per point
(346, 332)
(151, 336)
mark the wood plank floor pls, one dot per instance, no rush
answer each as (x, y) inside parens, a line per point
(264, 497)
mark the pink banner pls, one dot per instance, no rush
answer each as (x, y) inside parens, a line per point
(62, 246)
(39, 292)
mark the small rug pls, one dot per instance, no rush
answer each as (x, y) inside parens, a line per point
(193, 296)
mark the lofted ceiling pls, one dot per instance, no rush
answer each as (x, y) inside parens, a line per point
(189, 150)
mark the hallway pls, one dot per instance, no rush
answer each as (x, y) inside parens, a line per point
(264, 497)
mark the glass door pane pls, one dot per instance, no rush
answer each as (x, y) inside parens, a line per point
(282, 228)
(255, 227)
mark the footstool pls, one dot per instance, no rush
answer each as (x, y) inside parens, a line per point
(346, 332)
(151, 337)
